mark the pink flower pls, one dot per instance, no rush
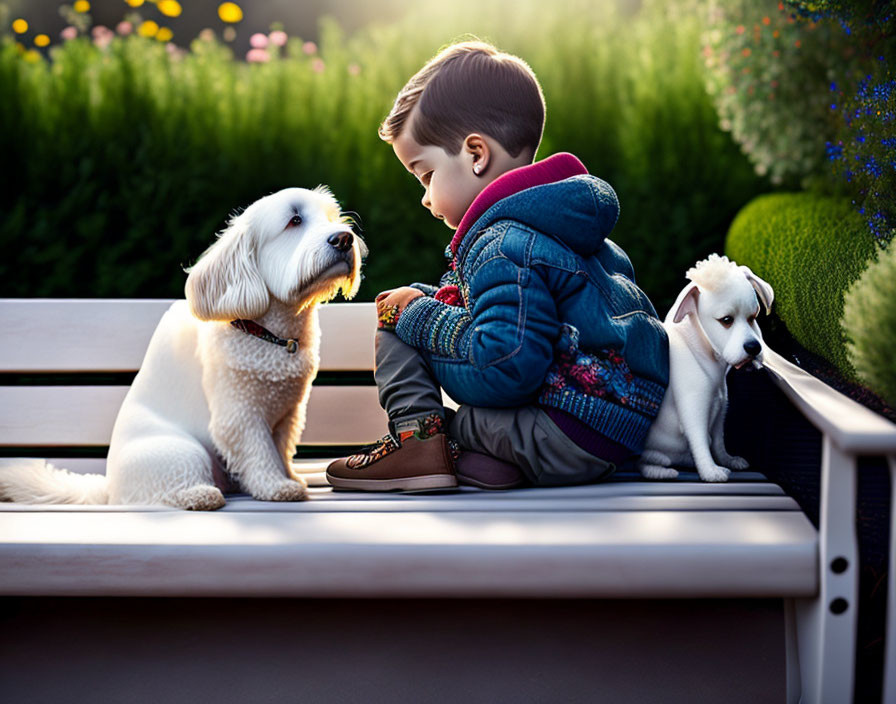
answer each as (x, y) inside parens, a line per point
(318, 65)
(258, 41)
(102, 36)
(258, 56)
(124, 28)
(207, 35)
(354, 69)
(278, 38)
(69, 33)
(309, 48)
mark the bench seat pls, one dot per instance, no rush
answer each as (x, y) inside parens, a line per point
(597, 541)
(65, 371)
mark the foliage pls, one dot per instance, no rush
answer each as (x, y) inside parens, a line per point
(123, 156)
(869, 323)
(810, 95)
(769, 76)
(810, 248)
(864, 154)
(872, 15)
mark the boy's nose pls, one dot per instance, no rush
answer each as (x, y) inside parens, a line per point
(425, 200)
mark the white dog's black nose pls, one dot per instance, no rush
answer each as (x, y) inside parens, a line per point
(752, 348)
(341, 241)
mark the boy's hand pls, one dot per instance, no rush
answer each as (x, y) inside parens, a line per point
(391, 304)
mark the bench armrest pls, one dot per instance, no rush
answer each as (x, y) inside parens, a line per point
(827, 625)
(851, 427)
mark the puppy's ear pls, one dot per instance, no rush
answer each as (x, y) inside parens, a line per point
(225, 283)
(685, 303)
(763, 290)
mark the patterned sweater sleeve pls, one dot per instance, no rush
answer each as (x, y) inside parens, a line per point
(506, 333)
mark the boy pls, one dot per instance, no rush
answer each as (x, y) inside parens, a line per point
(558, 360)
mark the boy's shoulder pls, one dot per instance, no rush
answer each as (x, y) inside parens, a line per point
(521, 243)
(526, 245)
(578, 212)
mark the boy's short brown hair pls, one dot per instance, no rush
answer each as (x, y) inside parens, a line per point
(471, 87)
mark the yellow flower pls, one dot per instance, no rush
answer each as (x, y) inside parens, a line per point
(169, 8)
(230, 12)
(19, 26)
(134, 3)
(164, 34)
(148, 29)
(81, 6)
(42, 40)
(32, 56)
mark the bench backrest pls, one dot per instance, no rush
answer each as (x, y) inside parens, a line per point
(66, 365)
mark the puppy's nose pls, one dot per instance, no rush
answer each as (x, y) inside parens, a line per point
(753, 347)
(341, 241)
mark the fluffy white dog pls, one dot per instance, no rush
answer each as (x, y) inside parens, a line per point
(712, 327)
(211, 395)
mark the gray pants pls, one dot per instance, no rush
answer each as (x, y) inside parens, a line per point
(525, 435)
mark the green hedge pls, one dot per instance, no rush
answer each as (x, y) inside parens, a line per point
(810, 248)
(121, 163)
(869, 322)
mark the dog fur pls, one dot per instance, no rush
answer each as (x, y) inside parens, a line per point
(712, 327)
(209, 396)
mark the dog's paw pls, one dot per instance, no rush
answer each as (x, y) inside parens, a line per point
(736, 463)
(198, 498)
(654, 471)
(713, 473)
(287, 490)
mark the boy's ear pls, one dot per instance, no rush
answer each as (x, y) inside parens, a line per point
(477, 147)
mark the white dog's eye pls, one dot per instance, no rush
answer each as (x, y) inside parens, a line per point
(295, 221)
(727, 321)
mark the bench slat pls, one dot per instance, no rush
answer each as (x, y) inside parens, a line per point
(324, 500)
(740, 484)
(388, 554)
(111, 335)
(75, 416)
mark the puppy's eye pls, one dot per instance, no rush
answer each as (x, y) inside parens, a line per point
(295, 221)
(727, 321)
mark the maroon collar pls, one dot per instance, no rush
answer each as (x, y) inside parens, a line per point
(555, 168)
(250, 327)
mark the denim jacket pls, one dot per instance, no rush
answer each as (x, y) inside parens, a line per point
(549, 315)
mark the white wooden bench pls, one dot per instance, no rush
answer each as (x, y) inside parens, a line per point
(66, 365)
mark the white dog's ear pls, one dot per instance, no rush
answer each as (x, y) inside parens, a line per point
(225, 283)
(764, 291)
(685, 303)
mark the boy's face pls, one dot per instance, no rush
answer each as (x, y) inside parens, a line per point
(450, 180)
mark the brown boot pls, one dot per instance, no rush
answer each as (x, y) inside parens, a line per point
(412, 463)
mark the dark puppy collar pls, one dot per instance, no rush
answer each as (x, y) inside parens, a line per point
(250, 327)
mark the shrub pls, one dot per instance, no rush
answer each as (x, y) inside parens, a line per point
(869, 323)
(808, 91)
(769, 75)
(810, 248)
(121, 160)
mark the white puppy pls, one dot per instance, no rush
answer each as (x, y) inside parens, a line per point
(210, 395)
(712, 327)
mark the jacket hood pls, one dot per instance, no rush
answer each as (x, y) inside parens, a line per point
(556, 196)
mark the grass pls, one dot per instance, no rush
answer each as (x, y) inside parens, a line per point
(121, 163)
